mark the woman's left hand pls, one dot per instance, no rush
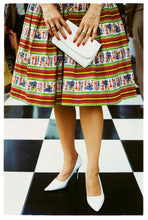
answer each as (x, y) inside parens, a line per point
(88, 25)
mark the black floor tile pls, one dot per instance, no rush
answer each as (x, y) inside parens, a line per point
(109, 131)
(134, 151)
(26, 112)
(21, 155)
(122, 196)
(126, 111)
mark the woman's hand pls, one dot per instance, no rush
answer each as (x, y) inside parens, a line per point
(89, 24)
(54, 21)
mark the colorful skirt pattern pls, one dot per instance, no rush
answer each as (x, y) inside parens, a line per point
(41, 79)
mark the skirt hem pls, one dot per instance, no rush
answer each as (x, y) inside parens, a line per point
(70, 104)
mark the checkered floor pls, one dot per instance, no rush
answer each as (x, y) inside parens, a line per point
(33, 157)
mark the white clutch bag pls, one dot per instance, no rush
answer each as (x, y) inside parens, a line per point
(83, 55)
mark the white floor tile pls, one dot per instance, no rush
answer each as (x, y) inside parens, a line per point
(25, 128)
(51, 157)
(118, 162)
(129, 129)
(12, 101)
(77, 112)
(139, 178)
(16, 186)
(52, 116)
(113, 157)
(132, 101)
(106, 112)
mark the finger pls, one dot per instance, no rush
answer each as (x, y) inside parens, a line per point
(78, 33)
(63, 22)
(94, 33)
(50, 32)
(54, 31)
(49, 29)
(60, 29)
(82, 37)
(87, 36)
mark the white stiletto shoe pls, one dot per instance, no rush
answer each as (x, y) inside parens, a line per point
(57, 184)
(96, 202)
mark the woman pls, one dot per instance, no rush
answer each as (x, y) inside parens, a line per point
(44, 76)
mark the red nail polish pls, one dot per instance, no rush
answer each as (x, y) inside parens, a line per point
(59, 38)
(83, 43)
(91, 40)
(74, 41)
(65, 37)
(70, 32)
(78, 45)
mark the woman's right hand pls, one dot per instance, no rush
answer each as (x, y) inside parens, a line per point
(54, 21)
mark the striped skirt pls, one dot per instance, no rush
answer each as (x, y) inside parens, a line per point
(43, 77)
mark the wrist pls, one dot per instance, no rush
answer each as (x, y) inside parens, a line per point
(45, 6)
(96, 7)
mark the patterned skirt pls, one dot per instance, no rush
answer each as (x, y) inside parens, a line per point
(43, 77)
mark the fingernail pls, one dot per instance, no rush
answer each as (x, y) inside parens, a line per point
(59, 38)
(65, 37)
(78, 45)
(74, 41)
(83, 43)
(91, 40)
(70, 32)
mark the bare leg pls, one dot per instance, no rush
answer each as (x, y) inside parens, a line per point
(65, 121)
(92, 126)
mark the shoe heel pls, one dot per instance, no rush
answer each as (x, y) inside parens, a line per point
(56, 184)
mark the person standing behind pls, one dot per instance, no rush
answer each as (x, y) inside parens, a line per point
(15, 18)
(14, 15)
(134, 14)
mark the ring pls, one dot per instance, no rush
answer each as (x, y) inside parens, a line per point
(52, 27)
(84, 32)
